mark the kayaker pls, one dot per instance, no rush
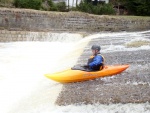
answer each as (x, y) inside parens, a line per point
(96, 61)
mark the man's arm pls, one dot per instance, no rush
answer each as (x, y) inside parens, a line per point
(96, 61)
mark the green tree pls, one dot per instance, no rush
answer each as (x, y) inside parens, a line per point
(32, 4)
(52, 5)
(138, 7)
(135, 7)
(87, 6)
(61, 6)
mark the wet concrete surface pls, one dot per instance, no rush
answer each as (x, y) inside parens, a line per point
(131, 86)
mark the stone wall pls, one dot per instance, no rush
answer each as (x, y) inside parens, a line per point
(32, 20)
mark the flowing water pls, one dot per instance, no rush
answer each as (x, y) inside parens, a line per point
(24, 89)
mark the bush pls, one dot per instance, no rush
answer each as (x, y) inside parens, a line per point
(96, 9)
(52, 5)
(6, 1)
(60, 6)
(74, 9)
(32, 4)
(107, 9)
(85, 7)
(141, 7)
(137, 7)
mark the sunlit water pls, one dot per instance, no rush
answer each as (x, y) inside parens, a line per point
(24, 89)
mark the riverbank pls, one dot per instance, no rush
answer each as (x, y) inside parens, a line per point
(33, 20)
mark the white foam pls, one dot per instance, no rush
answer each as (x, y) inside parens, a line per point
(24, 89)
(99, 108)
(114, 48)
(96, 108)
(49, 36)
(23, 65)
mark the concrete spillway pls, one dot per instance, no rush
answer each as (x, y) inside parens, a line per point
(132, 86)
(24, 89)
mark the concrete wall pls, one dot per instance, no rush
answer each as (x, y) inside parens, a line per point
(9, 36)
(32, 20)
(6, 36)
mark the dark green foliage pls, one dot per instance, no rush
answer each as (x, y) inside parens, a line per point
(37, 4)
(60, 6)
(138, 7)
(6, 1)
(52, 5)
(99, 9)
(133, 7)
(32, 4)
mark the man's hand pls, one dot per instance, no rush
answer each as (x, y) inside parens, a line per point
(85, 66)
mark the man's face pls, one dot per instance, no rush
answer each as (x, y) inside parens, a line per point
(94, 52)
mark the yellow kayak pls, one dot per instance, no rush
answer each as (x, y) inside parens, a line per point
(78, 75)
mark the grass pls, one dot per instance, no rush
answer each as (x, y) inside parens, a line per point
(136, 17)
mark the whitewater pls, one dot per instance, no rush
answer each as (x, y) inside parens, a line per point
(25, 89)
